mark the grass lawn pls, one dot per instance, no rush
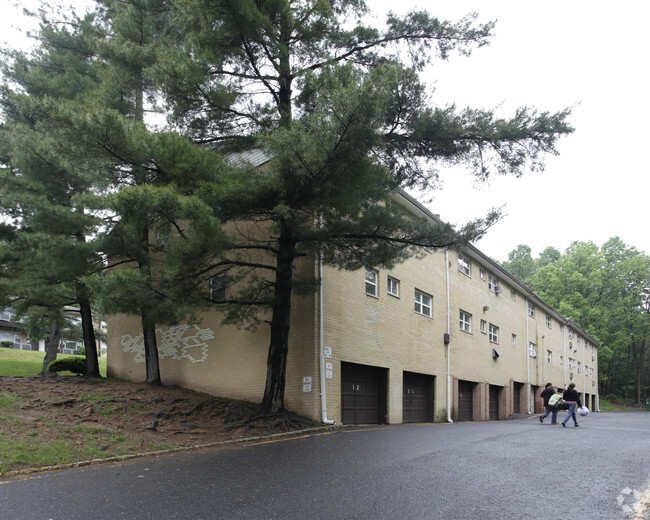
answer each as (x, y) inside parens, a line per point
(27, 363)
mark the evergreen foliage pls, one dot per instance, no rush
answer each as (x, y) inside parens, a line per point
(339, 108)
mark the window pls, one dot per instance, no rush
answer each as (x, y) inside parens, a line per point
(493, 282)
(548, 320)
(10, 336)
(513, 295)
(494, 333)
(393, 287)
(465, 321)
(570, 334)
(549, 356)
(578, 367)
(464, 265)
(513, 339)
(531, 309)
(483, 326)
(570, 363)
(218, 288)
(371, 283)
(482, 273)
(422, 303)
(561, 360)
(532, 351)
(7, 315)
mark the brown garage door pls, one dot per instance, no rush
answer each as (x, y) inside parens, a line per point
(363, 394)
(494, 402)
(417, 398)
(465, 407)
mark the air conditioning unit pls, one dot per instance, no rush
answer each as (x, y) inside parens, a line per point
(498, 289)
(533, 353)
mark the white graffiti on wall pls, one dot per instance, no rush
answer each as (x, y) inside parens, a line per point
(179, 342)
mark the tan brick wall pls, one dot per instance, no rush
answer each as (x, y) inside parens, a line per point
(385, 331)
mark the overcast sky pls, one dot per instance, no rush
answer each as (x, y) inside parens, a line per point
(589, 55)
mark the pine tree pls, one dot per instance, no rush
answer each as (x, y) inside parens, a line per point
(346, 122)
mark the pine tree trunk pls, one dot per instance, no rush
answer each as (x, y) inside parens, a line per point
(276, 365)
(151, 354)
(90, 342)
(51, 348)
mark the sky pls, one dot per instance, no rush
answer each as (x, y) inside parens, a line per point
(587, 55)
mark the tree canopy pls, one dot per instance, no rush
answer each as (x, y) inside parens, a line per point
(607, 291)
(338, 107)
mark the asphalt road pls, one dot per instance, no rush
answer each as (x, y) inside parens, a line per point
(516, 469)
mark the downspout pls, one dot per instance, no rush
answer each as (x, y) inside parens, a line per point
(449, 339)
(527, 354)
(566, 360)
(584, 371)
(323, 389)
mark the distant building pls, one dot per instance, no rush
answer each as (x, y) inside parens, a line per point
(12, 335)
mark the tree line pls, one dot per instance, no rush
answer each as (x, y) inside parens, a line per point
(607, 291)
(123, 132)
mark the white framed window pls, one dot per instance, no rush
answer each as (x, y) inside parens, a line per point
(484, 326)
(548, 321)
(482, 272)
(372, 282)
(532, 350)
(549, 356)
(493, 282)
(561, 360)
(10, 336)
(464, 265)
(494, 333)
(513, 340)
(465, 321)
(218, 288)
(579, 366)
(570, 363)
(570, 334)
(531, 309)
(513, 295)
(393, 286)
(423, 303)
(7, 315)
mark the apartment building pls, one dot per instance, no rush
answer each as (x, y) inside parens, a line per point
(449, 336)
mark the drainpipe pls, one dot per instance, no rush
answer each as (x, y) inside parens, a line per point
(584, 372)
(566, 359)
(449, 341)
(527, 354)
(323, 390)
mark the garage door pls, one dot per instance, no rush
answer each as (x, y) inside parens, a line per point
(494, 403)
(417, 398)
(465, 407)
(363, 394)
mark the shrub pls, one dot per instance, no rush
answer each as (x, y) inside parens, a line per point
(7, 344)
(68, 364)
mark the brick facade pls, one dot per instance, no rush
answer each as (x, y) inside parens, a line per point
(522, 345)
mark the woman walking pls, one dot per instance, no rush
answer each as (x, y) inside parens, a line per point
(571, 398)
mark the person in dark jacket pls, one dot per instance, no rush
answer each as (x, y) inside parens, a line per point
(571, 398)
(546, 395)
